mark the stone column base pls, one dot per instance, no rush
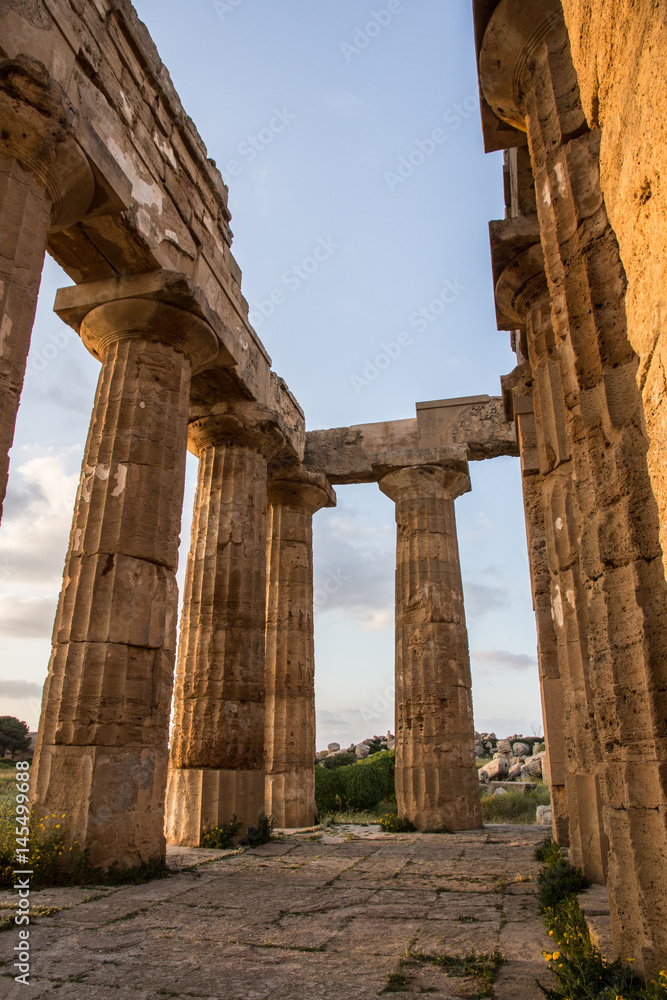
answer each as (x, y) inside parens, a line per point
(290, 798)
(589, 845)
(118, 807)
(448, 796)
(201, 798)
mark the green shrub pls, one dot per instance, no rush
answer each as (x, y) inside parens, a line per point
(548, 851)
(558, 880)
(327, 790)
(579, 970)
(362, 787)
(339, 760)
(260, 834)
(54, 858)
(391, 823)
(222, 836)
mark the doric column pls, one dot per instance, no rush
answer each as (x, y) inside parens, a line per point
(554, 526)
(42, 172)
(294, 496)
(102, 746)
(551, 685)
(436, 777)
(529, 80)
(217, 746)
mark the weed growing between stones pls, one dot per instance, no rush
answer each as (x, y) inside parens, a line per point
(260, 834)
(481, 967)
(578, 967)
(392, 823)
(55, 859)
(397, 982)
(222, 836)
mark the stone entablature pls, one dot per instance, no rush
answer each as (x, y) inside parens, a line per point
(357, 454)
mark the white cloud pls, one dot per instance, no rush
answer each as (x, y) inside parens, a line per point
(36, 523)
(501, 658)
(27, 617)
(16, 690)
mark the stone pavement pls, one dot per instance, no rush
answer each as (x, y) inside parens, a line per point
(310, 917)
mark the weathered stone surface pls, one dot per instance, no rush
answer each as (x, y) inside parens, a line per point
(603, 527)
(476, 424)
(218, 726)
(299, 919)
(495, 770)
(36, 123)
(436, 781)
(294, 495)
(102, 738)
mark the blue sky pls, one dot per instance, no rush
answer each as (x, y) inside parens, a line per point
(355, 127)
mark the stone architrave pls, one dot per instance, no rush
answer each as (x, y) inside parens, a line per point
(35, 125)
(436, 778)
(101, 755)
(217, 748)
(294, 495)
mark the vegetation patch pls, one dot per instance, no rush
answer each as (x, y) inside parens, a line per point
(392, 823)
(481, 967)
(513, 807)
(578, 967)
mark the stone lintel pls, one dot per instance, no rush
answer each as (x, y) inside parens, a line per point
(475, 424)
(74, 303)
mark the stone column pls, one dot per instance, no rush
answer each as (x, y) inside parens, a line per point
(529, 80)
(436, 777)
(35, 125)
(294, 496)
(217, 747)
(551, 685)
(101, 754)
(555, 524)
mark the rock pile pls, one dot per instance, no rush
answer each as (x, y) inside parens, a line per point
(373, 744)
(516, 758)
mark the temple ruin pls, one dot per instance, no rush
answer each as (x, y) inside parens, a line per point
(101, 168)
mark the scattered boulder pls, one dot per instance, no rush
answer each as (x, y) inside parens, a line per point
(333, 747)
(500, 791)
(543, 816)
(362, 750)
(497, 769)
(514, 773)
(534, 765)
(521, 750)
(504, 746)
(480, 751)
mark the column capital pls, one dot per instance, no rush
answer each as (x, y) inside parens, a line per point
(35, 115)
(522, 287)
(296, 486)
(237, 422)
(148, 319)
(416, 481)
(37, 126)
(516, 31)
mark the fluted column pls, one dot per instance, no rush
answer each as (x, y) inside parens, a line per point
(217, 748)
(555, 524)
(436, 777)
(551, 685)
(101, 754)
(35, 124)
(529, 80)
(293, 497)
